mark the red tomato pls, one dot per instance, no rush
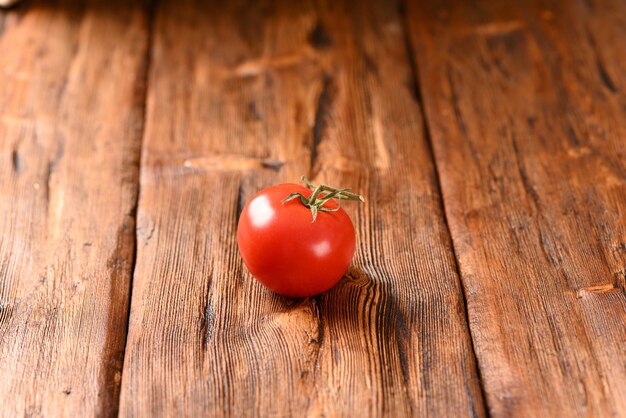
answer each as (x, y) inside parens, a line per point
(289, 252)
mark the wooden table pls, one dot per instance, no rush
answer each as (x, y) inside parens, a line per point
(489, 138)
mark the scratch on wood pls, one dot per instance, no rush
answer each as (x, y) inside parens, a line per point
(50, 169)
(59, 154)
(370, 64)
(275, 165)
(604, 76)
(47, 182)
(62, 86)
(150, 234)
(521, 169)
(253, 112)
(598, 289)
(572, 137)
(620, 280)
(549, 250)
(258, 66)
(602, 72)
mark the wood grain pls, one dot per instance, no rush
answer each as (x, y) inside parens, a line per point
(525, 105)
(395, 327)
(71, 115)
(523, 133)
(252, 93)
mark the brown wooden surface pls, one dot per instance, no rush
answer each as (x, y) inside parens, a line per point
(526, 111)
(71, 112)
(489, 139)
(310, 90)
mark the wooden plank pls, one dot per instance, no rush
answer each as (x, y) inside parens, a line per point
(525, 105)
(245, 95)
(230, 101)
(71, 111)
(400, 347)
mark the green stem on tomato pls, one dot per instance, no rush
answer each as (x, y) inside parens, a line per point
(316, 203)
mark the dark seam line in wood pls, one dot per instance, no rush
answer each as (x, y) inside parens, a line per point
(571, 135)
(240, 202)
(16, 161)
(319, 340)
(428, 138)
(323, 104)
(150, 10)
(604, 75)
(521, 168)
(50, 168)
(46, 183)
(272, 165)
(208, 316)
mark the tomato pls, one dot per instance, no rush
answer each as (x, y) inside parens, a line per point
(297, 247)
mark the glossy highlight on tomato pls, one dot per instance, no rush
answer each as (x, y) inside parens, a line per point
(291, 250)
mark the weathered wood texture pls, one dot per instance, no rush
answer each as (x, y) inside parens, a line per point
(250, 93)
(71, 114)
(526, 117)
(526, 108)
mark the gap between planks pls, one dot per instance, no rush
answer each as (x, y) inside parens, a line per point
(145, 85)
(417, 94)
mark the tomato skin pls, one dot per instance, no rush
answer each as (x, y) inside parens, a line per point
(286, 251)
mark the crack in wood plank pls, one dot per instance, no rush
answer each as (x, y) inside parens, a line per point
(142, 97)
(417, 94)
(324, 104)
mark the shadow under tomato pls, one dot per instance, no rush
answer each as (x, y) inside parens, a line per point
(359, 319)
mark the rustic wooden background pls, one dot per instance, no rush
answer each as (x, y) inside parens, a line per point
(488, 136)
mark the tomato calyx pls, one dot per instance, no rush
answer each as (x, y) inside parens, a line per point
(322, 194)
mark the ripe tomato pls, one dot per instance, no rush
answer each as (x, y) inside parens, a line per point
(294, 249)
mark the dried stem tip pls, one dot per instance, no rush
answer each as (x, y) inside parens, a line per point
(322, 194)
